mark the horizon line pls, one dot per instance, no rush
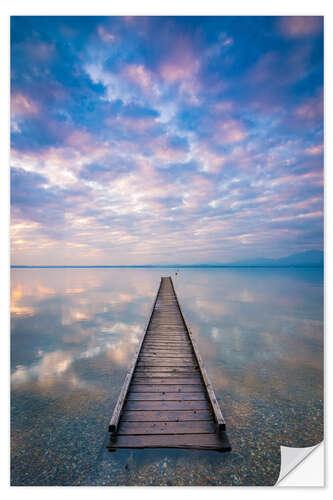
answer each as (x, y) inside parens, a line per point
(169, 266)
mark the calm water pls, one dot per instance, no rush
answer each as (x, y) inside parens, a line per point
(74, 333)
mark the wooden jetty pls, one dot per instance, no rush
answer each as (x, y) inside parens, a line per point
(167, 400)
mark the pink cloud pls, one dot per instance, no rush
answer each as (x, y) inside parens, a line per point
(291, 67)
(318, 213)
(84, 142)
(181, 65)
(311, 109)
(105, 35)
(139, 75)
(228, 41)
(177, 71)
(138, 125)
(40, 51)
(197, 190)
(298, 26)
(211, 162)
(223, 106)
(23, 105)
(201, 186)
(307, 203)
(315, 150)
(262, 69)
(162, 149)
(315, 177)
(231, 131)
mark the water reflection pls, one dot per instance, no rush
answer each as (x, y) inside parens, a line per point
(74, 334)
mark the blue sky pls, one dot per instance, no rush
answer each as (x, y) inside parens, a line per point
(138, 140)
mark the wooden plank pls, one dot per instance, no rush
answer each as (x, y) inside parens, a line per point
(168, 333)
(174, 350)
(147, 355)
(162, 305)
(191, 441)
(159, 328)
(166, 396)
(180, 336)
(171, 350)
(168, 343)
(166, 415)
(164, 349)
(139, 374)
(158, 325)
(168, 339)
(167, 388)
(164, 363)
(187, 427)
(167, 352)
(169, 336)
(150, 360)
(167, 380)
(167, 369)
(167, 405)
(161, 323)
(167, 361)
(167, 319)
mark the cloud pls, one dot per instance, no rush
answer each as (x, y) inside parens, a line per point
(300, 26)
(139, 75)
(231, 131)
(105, 35)
(315, 150)
(169, 148)
(22, 105)
(311, 109)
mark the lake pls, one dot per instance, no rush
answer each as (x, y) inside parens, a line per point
(73, 337)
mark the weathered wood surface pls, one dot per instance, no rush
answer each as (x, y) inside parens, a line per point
(167, 399)
(166, 416)
(167, 405)
(211, 441)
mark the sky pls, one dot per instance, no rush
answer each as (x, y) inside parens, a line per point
(165, 140)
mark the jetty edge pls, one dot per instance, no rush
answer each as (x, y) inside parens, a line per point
(167, 399)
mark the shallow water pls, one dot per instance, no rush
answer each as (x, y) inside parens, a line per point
(74, 333)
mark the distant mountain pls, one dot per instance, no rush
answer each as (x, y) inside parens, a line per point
(307, 259)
